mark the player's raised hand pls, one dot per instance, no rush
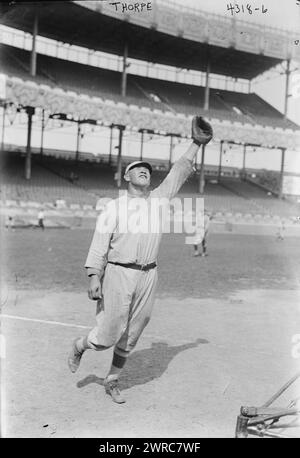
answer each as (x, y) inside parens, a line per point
(95, 290)
(201, 131)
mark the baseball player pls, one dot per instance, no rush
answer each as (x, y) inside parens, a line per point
(281, 230)
(121, 264)
(201, 234)
(41, 219)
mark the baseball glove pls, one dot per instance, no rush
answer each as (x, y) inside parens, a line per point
(201, 131)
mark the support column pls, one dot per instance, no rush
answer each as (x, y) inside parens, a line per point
(171, 151)
(124, 72)
(3, 127)
(287, 85)
(110, 144)
(220, 160)
(78, 141)
(244, 160)
(30, 113)
(42, 133)
(201, 176)
(119, 163)
(33, 50)
(281, 172)
(196, 160)
(142, 144)
(206, 94)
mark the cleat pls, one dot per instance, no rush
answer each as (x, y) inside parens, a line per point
(112, 388)
(74, 357)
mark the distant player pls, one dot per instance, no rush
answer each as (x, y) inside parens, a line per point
(9, 223)
(122, 265)
(201, 234)
(281, 230)
(41, 217)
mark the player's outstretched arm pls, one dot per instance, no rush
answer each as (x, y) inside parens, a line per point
(201, 134)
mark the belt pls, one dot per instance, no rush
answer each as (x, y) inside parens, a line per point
(132, 265)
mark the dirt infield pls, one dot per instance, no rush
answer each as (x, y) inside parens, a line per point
(220, 337)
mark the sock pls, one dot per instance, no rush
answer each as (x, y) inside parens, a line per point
(82, 344)
(117, 365)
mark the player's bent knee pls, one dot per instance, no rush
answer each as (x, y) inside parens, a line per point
(134, 338)
(100, 347)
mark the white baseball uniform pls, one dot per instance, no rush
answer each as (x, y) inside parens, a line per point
(201, 229)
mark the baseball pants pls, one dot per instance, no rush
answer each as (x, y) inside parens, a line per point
(125, 308)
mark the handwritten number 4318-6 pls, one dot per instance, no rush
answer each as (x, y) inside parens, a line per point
(237, 9)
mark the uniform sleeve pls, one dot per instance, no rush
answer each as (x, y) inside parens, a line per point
(178, 174)
(105, 227)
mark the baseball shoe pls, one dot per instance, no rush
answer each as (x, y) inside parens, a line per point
(196, 254)
(74, 357)
(112, 388)
(204, 254)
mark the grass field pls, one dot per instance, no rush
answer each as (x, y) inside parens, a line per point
(54, 259)
(220, 337)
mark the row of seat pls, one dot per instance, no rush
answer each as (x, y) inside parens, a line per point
(43, 186)
(142, 91)
(53, 179)
(265, 202)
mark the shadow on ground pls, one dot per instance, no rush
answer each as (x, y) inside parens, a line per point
(145, 365)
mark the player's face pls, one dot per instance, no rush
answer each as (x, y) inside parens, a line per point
(139, 176)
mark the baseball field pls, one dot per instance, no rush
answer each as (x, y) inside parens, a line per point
(222, 335)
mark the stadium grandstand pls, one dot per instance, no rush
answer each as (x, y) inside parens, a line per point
(142, 91)
(193, 63)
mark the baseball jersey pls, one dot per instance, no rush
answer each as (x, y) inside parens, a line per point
(112, 241)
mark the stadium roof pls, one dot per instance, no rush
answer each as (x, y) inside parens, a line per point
(84, 26)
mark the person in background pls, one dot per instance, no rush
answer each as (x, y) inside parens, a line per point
(41, 217)
(281, 230)
(9, 222)
(201, 234)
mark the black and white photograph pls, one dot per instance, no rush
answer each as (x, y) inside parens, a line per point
(150, 222)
